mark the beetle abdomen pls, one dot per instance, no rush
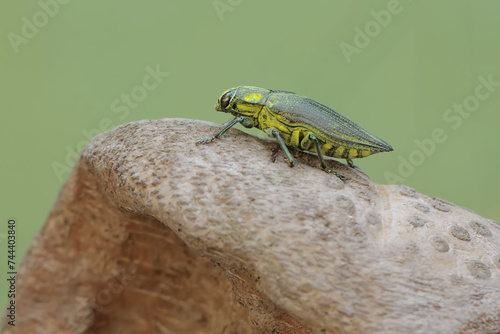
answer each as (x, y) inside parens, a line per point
(299, 138)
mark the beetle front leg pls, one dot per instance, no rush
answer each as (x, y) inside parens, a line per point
(322, 160)
(274, 133)
(245, 121)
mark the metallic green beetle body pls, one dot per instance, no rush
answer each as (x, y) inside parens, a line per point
(299, 122)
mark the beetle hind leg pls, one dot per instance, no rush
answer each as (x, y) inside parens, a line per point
(322, 160)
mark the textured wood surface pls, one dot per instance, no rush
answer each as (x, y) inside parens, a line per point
(153, 234)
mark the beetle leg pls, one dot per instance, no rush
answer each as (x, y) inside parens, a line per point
(306, 143)
(247, 122)
(274, 133)
(351, 164)
(274, 153)
(322, 160)
(242, 120)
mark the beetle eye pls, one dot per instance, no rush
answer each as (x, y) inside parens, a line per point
(224, 100)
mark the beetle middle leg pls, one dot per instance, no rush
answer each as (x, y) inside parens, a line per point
(274, 133)
(322, 160)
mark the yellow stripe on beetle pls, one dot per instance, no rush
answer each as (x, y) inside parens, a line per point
(299, 122)
(254, 98)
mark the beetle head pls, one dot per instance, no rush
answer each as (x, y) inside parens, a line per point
(225, 99)
(242, 101)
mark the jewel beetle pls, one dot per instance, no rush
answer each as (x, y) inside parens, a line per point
(299, 122)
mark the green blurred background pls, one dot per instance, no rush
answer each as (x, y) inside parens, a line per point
(67, 68)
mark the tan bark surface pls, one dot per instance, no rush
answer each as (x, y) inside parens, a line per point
(153, 234)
